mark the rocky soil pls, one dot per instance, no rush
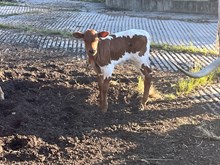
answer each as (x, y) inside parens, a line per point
(50, 116)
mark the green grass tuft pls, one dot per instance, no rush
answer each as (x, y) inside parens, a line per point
(102, 1)
(5, 3)
(170, 96)
(63, 33)
(187, 85)
(5, 26)
(184, 49)
(140, 85)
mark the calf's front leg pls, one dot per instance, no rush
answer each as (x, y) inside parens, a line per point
(104, 93)
(100, 81)
(100, 84)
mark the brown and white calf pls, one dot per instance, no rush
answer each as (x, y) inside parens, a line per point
(106, 51)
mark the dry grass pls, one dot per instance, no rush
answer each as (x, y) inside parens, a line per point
(208, 134)
(153, 93)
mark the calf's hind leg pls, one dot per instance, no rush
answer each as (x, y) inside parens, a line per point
(147, 83)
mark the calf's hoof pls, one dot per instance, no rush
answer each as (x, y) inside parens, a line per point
(142, 107)
(104, 108)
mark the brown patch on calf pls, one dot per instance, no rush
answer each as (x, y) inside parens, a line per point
(137, 44)
(115, 48)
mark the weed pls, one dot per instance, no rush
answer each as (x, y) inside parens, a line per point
(4, 3)
(187, 85)
(153, 93)
(184, 49)
(102, 1)
(140, 86)
(8, 15)
(14, 14)
(5, 26)
(63, 33)
(170, 96)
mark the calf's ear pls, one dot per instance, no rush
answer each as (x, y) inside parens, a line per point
(103, 34)
(78, 35)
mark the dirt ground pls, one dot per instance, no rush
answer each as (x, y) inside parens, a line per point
(50, 116)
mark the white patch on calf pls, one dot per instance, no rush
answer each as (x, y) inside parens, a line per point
(137, 60)
(131, 33)
(134, 58)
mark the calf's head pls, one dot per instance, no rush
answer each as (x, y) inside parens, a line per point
(91, 39)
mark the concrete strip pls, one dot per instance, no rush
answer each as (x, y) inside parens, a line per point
(10, 10)
(162, 31)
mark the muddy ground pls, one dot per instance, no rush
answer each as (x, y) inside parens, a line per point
(50, 116)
